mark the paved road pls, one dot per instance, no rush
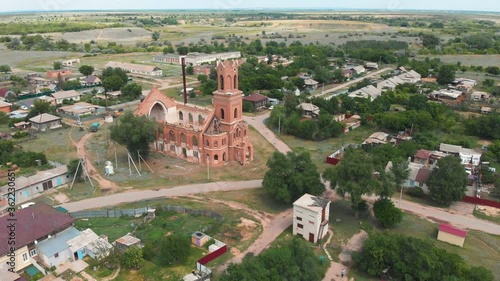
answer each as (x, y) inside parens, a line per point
(352, 82)
(258, 123)
(140, 195)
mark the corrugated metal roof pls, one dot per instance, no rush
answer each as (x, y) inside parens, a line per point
(58, 243)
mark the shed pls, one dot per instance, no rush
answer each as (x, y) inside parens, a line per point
(127, 241)
(199, 238)
(151, 213)
(452, 235)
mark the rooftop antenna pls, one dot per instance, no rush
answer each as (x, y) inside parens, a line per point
(183, 62)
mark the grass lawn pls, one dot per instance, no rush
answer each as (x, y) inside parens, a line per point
(56, 144)
(480, 249)
(256, 199)
(319, 150)
(114, 228)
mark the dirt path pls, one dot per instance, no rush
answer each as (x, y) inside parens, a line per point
(333, 273)
(352, 82)
(258, 123)
(103, 183)
(270, 232)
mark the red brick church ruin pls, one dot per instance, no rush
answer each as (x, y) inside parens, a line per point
(199, 134)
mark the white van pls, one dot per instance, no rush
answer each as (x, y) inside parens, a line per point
(26, 205)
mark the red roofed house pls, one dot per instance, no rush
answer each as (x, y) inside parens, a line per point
(5, 107)
(258, 101)
(452, 235)
(202, 135)
(32, 224)
(422, 156)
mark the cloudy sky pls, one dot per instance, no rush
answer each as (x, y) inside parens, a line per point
(58, 5)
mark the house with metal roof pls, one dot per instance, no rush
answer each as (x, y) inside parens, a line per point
(258, 101)
(310, 217)
(45, 121)
(28, 188)
(54, 250)
(309, 110)
(136, 68)
(127, 241)
(66, 95)
(368, 92)
(33, 224)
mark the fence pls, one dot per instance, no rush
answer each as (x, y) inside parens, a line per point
(140, 211)
(213, 255)
(483, 202)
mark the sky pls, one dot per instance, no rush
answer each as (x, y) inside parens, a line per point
(61, 5)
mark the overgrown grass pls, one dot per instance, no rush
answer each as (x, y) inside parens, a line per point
(114, 228)
(319, 150)
(256, 199)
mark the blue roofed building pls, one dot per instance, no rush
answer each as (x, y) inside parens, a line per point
(55, 250)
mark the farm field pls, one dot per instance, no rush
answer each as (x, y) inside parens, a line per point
(476, 60)
(120, 35)
(20, 58)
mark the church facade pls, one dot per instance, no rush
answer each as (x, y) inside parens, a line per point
(202, 135)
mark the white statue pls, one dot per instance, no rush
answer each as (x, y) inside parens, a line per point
(108, 169)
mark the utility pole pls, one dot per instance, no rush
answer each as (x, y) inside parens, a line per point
(183, 61)
(279, 125)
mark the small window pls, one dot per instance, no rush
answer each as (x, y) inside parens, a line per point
(25, 257)
(311, 222)
(33, 252)
(216, 144)
(56, 255)
(299, 218)
(300, 225)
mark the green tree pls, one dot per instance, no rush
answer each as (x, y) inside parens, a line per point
(113, 83)
(430, 41)
(183, 50)
(5, 68)
(386, 213)
(168, 50)
(190, 70)
(446, 74)
(448, 181)
(291, 175)
(155, 35)
(74, 170)
(39, 107)
(174, 249)
(493, 70)
(132, 258)
(86, 70)
(354, 175)
(57, 65)
(131, 91)
(400, 171)
(134, 132)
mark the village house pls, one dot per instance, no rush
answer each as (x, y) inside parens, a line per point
(309, 110)
(35, 223)
(467, 156)
(451, 235)
(71, 245)
(258, 101)
(5, 107)
(377, 138)
(55, 74)
(410, 77)
(33, 186)
(480, 96)
(91, 80)
(48, 99)
(202, 135)
(448, 94)
(368, 92)
(348, 73)
(417, 176)
(310, 84)
(66, 95)
(390, 84)
(80, 108)
(140, 69)
(22, 125)
(427, 157)
(358, 69)
(45, 121)
(371, 65)
(310, 217)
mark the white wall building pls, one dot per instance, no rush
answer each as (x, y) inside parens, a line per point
(310, 217)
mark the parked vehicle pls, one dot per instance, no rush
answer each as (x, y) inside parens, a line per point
(95, 127)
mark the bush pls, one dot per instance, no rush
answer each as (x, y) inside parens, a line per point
(416, 192)
(386, 213)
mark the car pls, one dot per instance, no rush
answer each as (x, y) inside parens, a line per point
(271, 107)
(24, 107)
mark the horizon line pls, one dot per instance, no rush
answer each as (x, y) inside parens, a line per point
(248, 9)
